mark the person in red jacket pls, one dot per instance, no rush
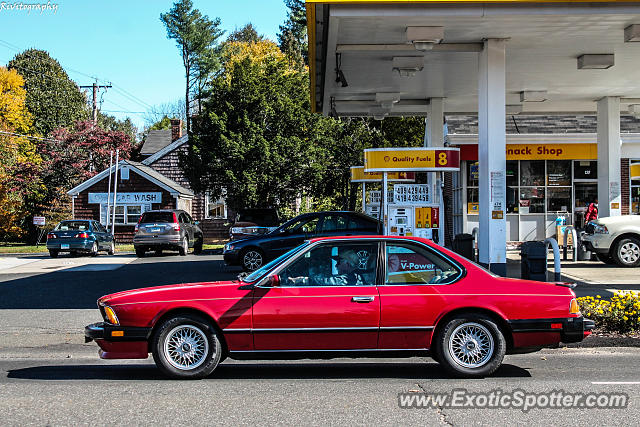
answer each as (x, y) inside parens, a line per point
(592, 212)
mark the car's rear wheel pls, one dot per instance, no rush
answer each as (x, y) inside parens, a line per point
(53, 253)
(470, 345)
(184, 248)
(112, 249)
(94, 249)
(252, 259)
(140, 251)
(186, 347)
(627, 252)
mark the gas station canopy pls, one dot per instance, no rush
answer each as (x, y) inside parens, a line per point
(390, 58)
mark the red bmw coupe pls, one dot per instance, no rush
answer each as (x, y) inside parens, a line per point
(345, 296)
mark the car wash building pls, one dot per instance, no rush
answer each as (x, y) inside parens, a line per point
(439, 59)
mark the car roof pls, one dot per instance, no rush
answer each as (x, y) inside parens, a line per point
(369, 237)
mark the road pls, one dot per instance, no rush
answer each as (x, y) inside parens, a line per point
(48, 375)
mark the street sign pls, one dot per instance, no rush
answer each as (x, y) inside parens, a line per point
(39, 220)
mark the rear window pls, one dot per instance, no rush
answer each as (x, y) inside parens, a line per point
(73, 225)
(157, 217)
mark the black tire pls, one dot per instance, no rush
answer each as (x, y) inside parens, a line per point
(184, 248)
(251, 259)
(203, 331)
(454, 362)
(627, 252)
(94, 249)
(140, 251)
(112, 248)
(606, 258)
(197, 248)
(53, 253)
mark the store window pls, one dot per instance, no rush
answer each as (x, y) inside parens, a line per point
(126, 214)
(473, 174)
(532, 173)
(531, 200)
(559, 173)
(635, 186)
(559, 199)
(585, 169)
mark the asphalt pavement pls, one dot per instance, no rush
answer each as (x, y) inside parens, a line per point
(49, 376)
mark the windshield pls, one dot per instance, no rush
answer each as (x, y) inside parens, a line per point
(259, 273)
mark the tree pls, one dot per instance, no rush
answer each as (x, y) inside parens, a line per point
(254, 136)
(107, 122)
(168, 109)
(196, 36)
(247, 34)
(293, 33)
(18, 154)
(53, 98)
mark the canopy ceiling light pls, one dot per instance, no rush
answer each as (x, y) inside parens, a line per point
(632, 33)
(513, 109)
(533, 96)
(379, 113)
(408, 66)
(595, 61)
(423, 38)
(387, 99)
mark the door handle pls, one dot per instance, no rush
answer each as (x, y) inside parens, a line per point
(362, 299)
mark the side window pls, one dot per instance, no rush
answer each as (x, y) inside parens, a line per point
(181, 218)
(333, 223)
(338, 264)
(415, 265)
(356, 223)
(189, 219)
(310, 227)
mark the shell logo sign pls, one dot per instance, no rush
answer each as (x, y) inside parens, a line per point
(441, 159)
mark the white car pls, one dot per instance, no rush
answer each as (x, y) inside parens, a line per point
(615, 239)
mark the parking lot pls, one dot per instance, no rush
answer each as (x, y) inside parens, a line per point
(48, 375)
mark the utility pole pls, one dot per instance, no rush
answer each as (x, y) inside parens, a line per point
(95, 87)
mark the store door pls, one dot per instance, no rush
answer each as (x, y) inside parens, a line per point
(584, 193)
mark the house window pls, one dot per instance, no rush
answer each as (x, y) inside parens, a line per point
(130, 213)
(215, 208)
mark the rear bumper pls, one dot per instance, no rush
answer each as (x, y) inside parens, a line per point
(128, 342)
(74, 244)
(530, 332)
(167, 241)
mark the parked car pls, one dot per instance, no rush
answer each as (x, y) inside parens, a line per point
(343, 296)
(170, 229)
(615, 239)
(80, 236)
(252, 253)
(253, 222)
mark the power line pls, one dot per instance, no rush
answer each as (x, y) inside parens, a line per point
(122, 111)
(28, 136)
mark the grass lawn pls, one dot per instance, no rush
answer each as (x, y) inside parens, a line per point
(21, 248)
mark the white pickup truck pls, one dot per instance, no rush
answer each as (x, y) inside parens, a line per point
(615, 239)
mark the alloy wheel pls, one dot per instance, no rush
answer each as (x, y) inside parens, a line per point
(186, 347)
(252, 260)
(629, 252)
(471, 345)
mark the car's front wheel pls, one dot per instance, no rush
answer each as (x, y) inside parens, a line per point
(252, 259)
(470, 345)
(627, 252)
(186, 347)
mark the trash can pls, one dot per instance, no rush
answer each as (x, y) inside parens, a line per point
(583, 253)
(533, 261)
(463, 245)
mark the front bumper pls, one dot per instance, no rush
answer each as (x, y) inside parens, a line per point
(568, 329)
(119, 342)
(232, 257)
(599, 243)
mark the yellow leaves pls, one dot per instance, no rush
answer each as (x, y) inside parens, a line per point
(13, 111)
(619, 314)
(259, 53)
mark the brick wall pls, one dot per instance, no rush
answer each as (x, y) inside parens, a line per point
(624, 185)
(135, 184)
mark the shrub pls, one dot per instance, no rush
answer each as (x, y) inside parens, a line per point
(620, 314)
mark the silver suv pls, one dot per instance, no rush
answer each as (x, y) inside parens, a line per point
(167, 229)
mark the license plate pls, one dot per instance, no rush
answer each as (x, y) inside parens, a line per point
(154, 230)
(64, 246)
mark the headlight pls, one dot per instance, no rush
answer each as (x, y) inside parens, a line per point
(600, 229)
(237, 230)
(111, 315)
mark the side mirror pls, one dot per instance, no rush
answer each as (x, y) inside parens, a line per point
(273, 280)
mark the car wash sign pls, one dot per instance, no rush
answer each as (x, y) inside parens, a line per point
(126, 198)
(410, 159)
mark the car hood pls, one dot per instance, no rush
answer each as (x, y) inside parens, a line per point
(181, 291)
(623, 219)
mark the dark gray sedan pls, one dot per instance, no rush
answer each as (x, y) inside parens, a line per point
(80, 236)
(170, 229)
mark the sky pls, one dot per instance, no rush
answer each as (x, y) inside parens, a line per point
(122, 42)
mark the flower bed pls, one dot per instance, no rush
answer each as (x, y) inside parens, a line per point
(621, 314)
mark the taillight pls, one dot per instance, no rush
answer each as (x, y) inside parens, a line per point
(176, 224)
(82, 235)
(51, 236)
(138, 224)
